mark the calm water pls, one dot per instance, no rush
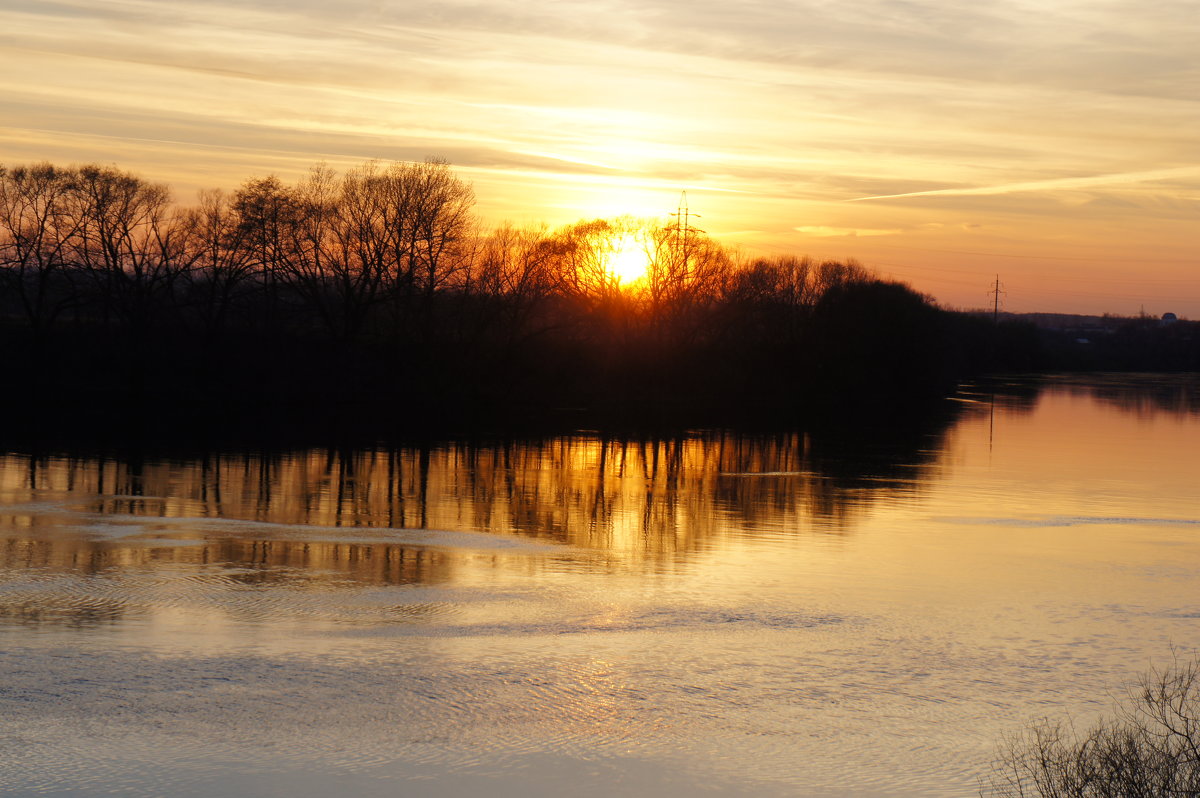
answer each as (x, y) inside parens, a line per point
(710, 614)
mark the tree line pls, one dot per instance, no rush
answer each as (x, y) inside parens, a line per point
(380, 285)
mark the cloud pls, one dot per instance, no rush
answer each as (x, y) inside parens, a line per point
(835, 232)
(1057, 184)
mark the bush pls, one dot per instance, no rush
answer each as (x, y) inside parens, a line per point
(1149, 746)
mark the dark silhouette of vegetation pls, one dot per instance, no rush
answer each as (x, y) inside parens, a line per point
(1127, 344)
(1150, 747)
(377, 290)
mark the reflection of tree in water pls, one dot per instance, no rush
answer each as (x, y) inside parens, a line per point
(1143, 395)
(634, 496)
(1016, 396)
(270, 562)
(861, 463)
(245, 561)
(81, 583)
(60, 611)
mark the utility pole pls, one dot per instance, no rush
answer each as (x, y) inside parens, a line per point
(995, 293)
(682, 228)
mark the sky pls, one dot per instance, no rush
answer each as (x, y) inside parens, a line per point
(1052, 145)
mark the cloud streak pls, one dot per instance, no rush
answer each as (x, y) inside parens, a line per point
(1056, 184)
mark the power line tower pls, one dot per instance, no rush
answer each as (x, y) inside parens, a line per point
(996, 293)
(683, 230)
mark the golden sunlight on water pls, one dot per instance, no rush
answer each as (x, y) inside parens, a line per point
(855, 614)
(630, 498)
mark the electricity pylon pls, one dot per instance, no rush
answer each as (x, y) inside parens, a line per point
(995, 293)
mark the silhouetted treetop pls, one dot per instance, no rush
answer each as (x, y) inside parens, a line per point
(382, 276)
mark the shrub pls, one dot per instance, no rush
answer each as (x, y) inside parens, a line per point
(1149, 746)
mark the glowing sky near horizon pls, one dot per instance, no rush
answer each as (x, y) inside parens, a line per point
(1052, 143)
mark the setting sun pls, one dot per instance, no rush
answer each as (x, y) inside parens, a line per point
(628, 259)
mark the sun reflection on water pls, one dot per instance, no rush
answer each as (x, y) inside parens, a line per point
(850, 617)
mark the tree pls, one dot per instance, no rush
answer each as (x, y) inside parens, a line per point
(684, 283)
(513, 275)
(687, 270)
(37, 227)
(1149, 747)
(580, 262)
(439, 220)
(266, 214)
(766, 308)
(400, 232)
(335, 260)
(222, 260)
(130, 244)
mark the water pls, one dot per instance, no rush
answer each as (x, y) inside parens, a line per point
(707, 614)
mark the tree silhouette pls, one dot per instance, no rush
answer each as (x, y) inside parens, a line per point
(381, 274)
(129, 244)
(37, 225)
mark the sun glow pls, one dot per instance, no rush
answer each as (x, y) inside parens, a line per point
(627, 260)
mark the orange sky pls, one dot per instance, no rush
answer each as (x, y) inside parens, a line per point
(1052, 143)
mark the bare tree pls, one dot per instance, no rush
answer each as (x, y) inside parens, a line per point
(127, 240)
(220, 256)
(441, 218)
(833, 274)
(580, 254)
(515, 261)
(328, 259)
(36, 229)
(771, 299)
(514, 275)
(266, 213)
(428, 236)
(682, 290)
(687, 271)
(1149, 748)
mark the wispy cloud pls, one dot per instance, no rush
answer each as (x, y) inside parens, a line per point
(841, 232)
(1057, 184)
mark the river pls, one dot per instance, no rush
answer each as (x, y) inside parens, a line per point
(713, 612)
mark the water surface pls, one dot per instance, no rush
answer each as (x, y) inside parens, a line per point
(820, 613)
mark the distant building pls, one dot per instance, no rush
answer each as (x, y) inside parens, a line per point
(1169, 318)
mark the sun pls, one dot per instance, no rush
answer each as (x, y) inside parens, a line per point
(627, 259)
